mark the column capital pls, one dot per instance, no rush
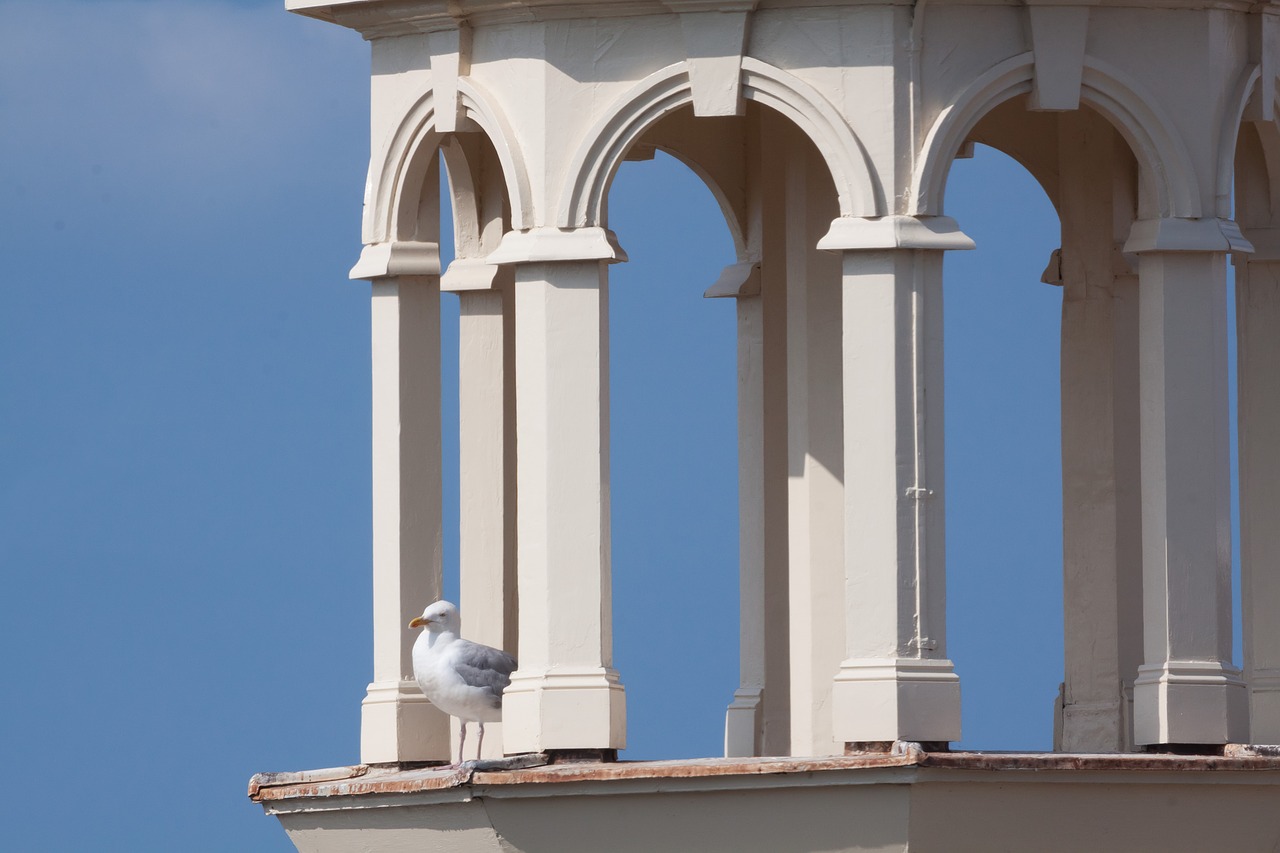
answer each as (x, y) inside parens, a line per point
(849, 233)
(543, 245)
(1186, 235)
(396, 258)
(469, 274)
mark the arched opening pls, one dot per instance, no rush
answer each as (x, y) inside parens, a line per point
(443, 424)
(1004, 469)
(774, 444)
(674, 465)
(1043, 434)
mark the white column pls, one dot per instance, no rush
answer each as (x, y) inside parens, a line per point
(815, 492)
(397, 722)
(1258, 354)
(1102, 609)
(1187, 690)
(895, 682)
(757, 721)
(486, 446)
(566, 694)
(744, 718)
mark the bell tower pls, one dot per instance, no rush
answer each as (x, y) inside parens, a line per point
(826, 132)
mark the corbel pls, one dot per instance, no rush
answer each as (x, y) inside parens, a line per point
(739, 279)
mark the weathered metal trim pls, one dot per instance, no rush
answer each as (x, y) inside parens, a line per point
(524, 776)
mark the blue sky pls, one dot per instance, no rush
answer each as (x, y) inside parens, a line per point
(184, 429)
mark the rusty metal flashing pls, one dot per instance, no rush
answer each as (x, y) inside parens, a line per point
(361, 780)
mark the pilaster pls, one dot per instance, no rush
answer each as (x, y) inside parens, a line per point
(1258, 354)
(1187, 690)
(1102, 607)
(486, 447)
(744, 722)
(798, 214)
(896, 682)
(566, 694)
(398, 724)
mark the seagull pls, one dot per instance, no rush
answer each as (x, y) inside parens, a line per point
(459, 677)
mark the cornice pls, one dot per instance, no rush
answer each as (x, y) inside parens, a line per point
(383, 18)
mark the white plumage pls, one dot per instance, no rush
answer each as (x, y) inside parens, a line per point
(461, 678)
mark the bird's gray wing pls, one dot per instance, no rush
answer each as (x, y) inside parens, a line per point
(484, 667)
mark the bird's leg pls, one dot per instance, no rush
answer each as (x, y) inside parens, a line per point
(480, 745)
(462, 738)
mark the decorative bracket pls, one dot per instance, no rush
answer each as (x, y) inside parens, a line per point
(741, 278)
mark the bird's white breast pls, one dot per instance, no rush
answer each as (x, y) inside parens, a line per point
(434, 671)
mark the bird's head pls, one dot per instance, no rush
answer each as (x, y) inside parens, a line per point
(441, 616)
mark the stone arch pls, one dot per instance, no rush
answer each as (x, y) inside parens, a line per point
(1162, 156)
(1256, 172)
(732, 217)
(1229, 135)
(396, 172)
(591, 171)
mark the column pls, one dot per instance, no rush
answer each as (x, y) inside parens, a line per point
(895, 683)
(1101, 516)
(566, 696)
(1187, 691)
(757, 721)
(486, 445)
(815, 492)
(744, 718)
(1258, 374)
(398, 724)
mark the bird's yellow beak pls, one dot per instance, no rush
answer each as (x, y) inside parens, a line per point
(417, 622)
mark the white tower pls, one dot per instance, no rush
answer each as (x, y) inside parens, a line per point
(826, 130)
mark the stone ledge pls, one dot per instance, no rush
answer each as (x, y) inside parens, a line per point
(359, 780)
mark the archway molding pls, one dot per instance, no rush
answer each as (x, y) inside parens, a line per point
(392, 191)
(1229, 135)
(583, 201)
(1165, 163)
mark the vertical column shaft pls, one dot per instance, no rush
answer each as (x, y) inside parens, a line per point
(815, 536)
(1099, 424)
(895, 683)
(1187, 691)
(566, 695)
(1258, 353)
(397, 722)
(744, 719)
(486, 444)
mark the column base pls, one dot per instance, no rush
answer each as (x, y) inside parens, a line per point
(1189, 702)
(564, 709)
(892, 699)
(743, 723)
(1093, 727)
(398, 724)
(1264, 706)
